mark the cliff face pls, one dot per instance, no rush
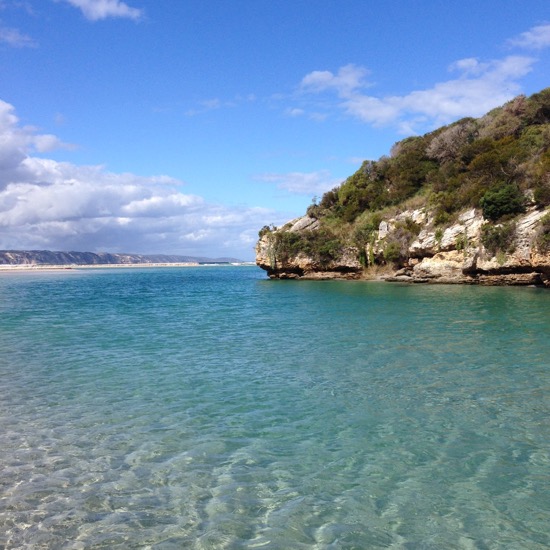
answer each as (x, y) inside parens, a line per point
(466, 203)
(456, 254)
(279, 264)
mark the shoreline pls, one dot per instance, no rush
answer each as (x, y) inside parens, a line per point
(10, 268)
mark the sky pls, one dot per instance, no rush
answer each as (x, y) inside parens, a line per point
(184, 126)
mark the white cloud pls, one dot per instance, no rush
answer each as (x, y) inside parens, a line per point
(15, 38)
(302, 183)
(49, 142)
(16, 142)
(94, 10)
(535, 38)
(62, 206)
(479, 87)
(348, 79)
(494, 83)
(469, 65)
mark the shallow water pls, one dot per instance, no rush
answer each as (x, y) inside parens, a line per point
(210, 408)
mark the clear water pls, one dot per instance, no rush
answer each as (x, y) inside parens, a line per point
(210, 408)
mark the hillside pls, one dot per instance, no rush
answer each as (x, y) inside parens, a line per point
(468, 202)
(48, 257)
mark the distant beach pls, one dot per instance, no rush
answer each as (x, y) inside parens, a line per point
(67, 267)
(38, 267)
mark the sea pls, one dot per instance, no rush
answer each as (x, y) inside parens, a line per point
(213, 408)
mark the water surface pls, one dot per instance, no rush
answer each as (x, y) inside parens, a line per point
(210, 408)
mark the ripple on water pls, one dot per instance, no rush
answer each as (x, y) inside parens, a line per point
(208, 408)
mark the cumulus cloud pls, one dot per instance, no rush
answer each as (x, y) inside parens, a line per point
(16, 142)
(54, 205)
(479, 87)
(15, 38)
(535, 38)
(302, 183)
(94, 10)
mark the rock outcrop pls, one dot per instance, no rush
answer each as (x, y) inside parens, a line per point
(454, 254)
(465, 203)
(300, 265)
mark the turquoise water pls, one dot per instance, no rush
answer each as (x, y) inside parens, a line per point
(208, 408)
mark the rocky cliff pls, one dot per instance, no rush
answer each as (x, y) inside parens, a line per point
(461, 253)
(279, 263)
(466, 203)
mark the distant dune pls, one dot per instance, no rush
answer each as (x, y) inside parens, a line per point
(48, 257)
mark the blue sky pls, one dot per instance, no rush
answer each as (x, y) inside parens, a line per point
(184, 126)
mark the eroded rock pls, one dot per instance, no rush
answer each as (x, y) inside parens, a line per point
(454, 254)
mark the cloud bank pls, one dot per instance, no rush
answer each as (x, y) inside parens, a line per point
(45, 204)
(477, 88)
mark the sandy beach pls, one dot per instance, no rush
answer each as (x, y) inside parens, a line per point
(46, 267)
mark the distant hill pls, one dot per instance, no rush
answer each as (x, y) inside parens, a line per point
(48, 257)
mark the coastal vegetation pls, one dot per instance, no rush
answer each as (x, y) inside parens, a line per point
(498, 164)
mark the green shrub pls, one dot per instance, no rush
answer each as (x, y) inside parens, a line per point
(392, 252)
(541, 188)
(541, 194)
(499, 238)
(365, 227)
(322, 245)
(461, 241)
(287, 244)
(441, 217)
(501, 201)
(266, 229)
(314, 211)
(408, 224)
(543, 237)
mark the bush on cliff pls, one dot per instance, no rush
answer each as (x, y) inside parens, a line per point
(487, 162)
(321, 245)
(501, 201)
(499, 238)
(543, 237)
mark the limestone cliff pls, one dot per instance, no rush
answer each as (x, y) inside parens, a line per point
(466, 203)
(272, 256)
(456, 254)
